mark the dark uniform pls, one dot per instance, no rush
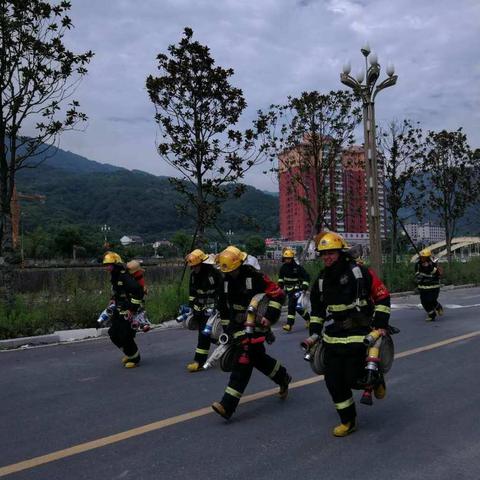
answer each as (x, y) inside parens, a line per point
(237, 294)
(205, 287)
(428, 283)
(354, 300)
(293, 278)
(127, 294)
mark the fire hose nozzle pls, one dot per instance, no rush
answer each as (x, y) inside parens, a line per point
(372, 337)
(309, 342)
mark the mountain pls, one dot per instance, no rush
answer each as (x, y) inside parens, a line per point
(81, 191)
(273, 194)
(71, 162)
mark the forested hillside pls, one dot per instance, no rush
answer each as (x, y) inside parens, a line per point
(82, 192)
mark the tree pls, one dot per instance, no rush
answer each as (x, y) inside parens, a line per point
(66, 239)
(307, 135)
(400, 145)
(38, 76)
(255, 245)
(182, 241)
(196, 109)
(450, 182)
(38, 244)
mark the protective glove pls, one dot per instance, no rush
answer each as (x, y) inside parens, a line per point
(379, 323)
(265, 322)
(269, 337)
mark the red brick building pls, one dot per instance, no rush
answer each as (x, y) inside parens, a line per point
(354, 188)
(348, 180)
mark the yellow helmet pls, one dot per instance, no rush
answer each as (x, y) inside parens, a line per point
(330, 241)
(426, 252)
(288, 253)
(195, 258)
(230, 259)
(112, 257)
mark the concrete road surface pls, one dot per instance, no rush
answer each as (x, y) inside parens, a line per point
(72, 412)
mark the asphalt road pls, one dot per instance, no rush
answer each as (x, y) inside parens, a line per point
(72, 412)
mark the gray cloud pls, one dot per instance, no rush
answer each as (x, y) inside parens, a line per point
(277, 48)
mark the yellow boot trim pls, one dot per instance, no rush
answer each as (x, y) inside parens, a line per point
(194, 367)
(129, 362)
(344, 429)
(287, 327)
(380, 391)
(131, 365)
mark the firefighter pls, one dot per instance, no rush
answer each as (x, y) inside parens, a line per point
(241, 283)
(205, 286)
(427, 276)
(293, 279)
(127, 297)
(353, 298)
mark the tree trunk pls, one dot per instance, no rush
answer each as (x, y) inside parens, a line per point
(394, 241)
(7, 263)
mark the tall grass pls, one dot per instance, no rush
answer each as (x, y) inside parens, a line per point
(77, 303)
(45, 312)
(401, 278)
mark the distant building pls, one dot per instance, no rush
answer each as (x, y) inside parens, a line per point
(130, 240)
(426, 233)
(162, 243)
(346, 179)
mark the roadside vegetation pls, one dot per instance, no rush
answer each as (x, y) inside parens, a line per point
(46, 312)
(74, 306)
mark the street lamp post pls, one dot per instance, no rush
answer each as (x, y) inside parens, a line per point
(229, 235)
(367, 92)
(105, 229)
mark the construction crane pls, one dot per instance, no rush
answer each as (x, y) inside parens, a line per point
(15, 209)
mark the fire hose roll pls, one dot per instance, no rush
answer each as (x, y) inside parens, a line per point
(317, 360)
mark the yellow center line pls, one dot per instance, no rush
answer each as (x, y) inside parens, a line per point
(135, 432)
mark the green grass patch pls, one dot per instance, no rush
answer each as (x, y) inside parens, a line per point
(45, 312)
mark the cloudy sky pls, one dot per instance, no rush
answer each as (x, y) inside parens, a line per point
(276, 48)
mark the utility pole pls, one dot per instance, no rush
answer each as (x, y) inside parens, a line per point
(367, 92)
(15, 209)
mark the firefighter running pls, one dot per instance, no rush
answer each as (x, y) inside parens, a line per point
(293, 279)
(427, 276)
(242, 282)
(354, 301)
(205, 285)
(127, 296)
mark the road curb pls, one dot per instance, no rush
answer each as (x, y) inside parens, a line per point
(68, 336)
(443, 287)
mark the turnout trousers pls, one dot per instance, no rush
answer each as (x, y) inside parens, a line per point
(429, 300)
(122, 335)
(203, 342)
(344, 366)
(241, 373)
(292, 309)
